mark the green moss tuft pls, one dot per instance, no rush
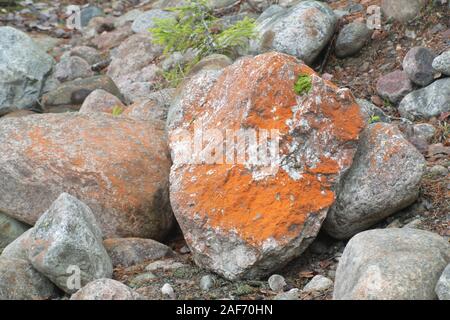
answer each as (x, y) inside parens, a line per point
(374, 119)
(117, 111)
(303, 85)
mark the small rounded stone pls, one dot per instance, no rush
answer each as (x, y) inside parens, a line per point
(277, 283)
(207, 282)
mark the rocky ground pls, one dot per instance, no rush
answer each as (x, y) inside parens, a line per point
(90, 173)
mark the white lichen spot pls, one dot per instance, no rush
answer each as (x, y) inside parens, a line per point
(269, 244)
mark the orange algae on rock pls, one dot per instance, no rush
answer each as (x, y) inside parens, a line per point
(262, 212)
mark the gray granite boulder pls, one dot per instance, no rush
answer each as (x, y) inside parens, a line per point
(71, 68)
(133, 67)
(443, 285)
(402, 10)
(24, 66)
(66, 238)
(18, 249)
(10, 230)
(427, 102)
(394, 86)
(418, 65)
(90, 12)
(352, 38)
(145, 20)
(371, 111)
(384, 178)
(91, 55)
(442, 63)
(105, 289)
(127, 252)
(101, 101)
(72, 94)
(20, 281)
(302, 30)
(391, 264)
(155, 107)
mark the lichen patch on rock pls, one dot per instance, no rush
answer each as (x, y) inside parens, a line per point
(265, 210)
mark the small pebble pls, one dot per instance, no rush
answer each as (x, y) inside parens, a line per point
(317, 284)
(395, 224)
(376, 100)
(207, 282)
(425, 131)
(167, 290)
(410, 34)
(292, 294)
(185, 250)
(168, 264)
(277, 283)
(438, 170)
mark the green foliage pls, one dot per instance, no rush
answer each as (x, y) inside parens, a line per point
(443, 131)
(197, 28)
(117, 111)
(303, 84)
(374, 119)
(387, 103)
(236, 36)
(175, 75)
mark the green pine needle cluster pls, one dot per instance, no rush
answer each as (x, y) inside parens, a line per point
(175, 75)
(303, 84)
(197, 28)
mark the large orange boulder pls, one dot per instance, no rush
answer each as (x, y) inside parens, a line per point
(242, 215)
(119, 167)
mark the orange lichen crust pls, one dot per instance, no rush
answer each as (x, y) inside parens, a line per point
(118, 166)
(384, 152)
(275, 207)
(259, 93)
